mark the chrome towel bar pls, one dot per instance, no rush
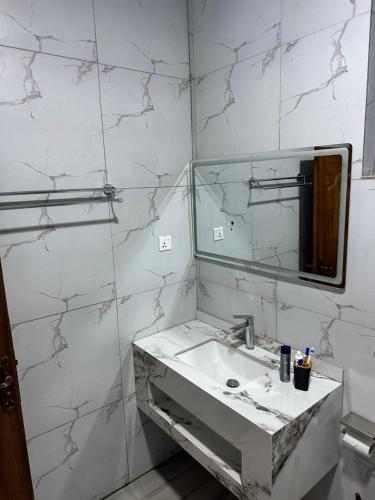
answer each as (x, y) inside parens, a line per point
(299, 181)
(108, 190)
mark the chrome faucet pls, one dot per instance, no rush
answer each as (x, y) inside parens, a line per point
(245, 330)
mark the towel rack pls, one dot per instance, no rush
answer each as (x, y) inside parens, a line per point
(299, 181)
(108, 190)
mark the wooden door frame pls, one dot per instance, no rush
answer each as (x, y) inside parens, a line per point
(15, 476)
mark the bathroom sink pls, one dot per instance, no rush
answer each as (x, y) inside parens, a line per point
(221, 362)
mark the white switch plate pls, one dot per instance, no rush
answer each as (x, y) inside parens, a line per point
(165, 243)
(218, 233)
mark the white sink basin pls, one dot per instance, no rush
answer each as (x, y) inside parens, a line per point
(221, 362)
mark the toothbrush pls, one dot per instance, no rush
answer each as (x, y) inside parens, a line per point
(309, 351)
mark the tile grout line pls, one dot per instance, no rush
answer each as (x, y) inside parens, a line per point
(193, 140)
(13, 47)
(193, 128)
(28, 440)
(126, 451)
(100, 93)
(277, 302)
(13, 325)
(281, 45)
(325, 314)
(280, 67)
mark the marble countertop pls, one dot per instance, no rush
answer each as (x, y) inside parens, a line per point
(266, 401)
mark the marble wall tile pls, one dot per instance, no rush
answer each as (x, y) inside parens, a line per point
(59, 262)
(224, 205)
(50, 122)
(323, 89)
(143, 314)
(224, 302)
(146, 443)
(275, 218)
(222, 174)
(275, 215)
(355, 304)
(286, 260)
(147, 128)
(230, 105)
(323, 99)
(145, 215)
(237, 279)
(68, 366)
(56, 259)
(61, 27)
(303, 18)
(369, 145)
(347, 345)
(81, 460)
(257, 224)
(224, 32)
(150, 35)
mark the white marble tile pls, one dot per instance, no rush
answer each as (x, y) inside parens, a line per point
(224, 205)
(145, 215)
(302, 328)
(82, 460)
(369, 145)
(224, 302)
(147, 445)
(323, 91)
(285, 260)
(237, 108)
(275, 219)
(347, 345)
(275, 215)
(147, 129)
(149, 312)
(56, 259)
(62, 27)
(238, 279)
(359, 298)
(50, 122)
(354, 349)
(224, 32)
(150, 35)
(68, 365)
(302, 18)
(221, 174)
(355, 304)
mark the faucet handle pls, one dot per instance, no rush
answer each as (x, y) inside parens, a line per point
(249, 318)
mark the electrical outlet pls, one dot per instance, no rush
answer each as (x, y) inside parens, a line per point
(165, 243)
(218, 233)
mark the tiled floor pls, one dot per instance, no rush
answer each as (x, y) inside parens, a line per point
(180, 477)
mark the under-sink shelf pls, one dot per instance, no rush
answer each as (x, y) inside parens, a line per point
(216, 454)
(265, 440)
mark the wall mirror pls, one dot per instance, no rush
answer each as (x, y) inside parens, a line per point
(283, 212)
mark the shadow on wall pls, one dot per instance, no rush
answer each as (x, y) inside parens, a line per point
(359, 472)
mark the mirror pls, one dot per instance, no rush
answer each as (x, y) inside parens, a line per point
(284, 212)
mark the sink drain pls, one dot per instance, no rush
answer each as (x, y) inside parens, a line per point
(232, 382)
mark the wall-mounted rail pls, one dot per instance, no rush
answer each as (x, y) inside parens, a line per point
(299, 181)
(108, 190)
